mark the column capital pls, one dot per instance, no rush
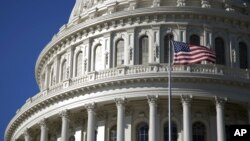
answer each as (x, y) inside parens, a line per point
(90, 106)
(186, 99)
(26, 132)
(120, 101)
(43, 123)
(152, 99)
(64, 113)
(220, 101)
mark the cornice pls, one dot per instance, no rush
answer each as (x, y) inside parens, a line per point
(80, 28)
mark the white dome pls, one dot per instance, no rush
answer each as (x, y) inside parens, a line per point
(106, 72)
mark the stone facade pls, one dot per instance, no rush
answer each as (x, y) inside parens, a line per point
(103, 76)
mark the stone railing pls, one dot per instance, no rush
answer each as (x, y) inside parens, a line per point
(143, 70)
(134, 72)
(231, 73)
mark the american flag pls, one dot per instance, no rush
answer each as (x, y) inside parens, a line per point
(191, 54)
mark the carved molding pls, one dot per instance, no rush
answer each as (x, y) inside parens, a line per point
(120, 101)
(186, 99)
(26, 132)
(90, 106)
(220, 101)
(152, 99)
(64, 114)
(43, 122)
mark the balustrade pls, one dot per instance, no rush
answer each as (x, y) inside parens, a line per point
(143, 70)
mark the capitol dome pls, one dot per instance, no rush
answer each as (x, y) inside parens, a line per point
(104, 75)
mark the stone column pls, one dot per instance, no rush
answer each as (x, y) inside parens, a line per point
(186, 103)
(220, 118)
(65, 125)
(120, 118)
(26, 135)
(44, 130)
(152, 101)
(91, 121)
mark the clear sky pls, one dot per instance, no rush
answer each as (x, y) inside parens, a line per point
(26, 26)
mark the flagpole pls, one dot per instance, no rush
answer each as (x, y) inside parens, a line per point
(169, 90)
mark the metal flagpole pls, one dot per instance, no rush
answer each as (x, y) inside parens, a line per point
(169, 89)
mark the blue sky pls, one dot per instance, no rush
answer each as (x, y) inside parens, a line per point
(26, 26)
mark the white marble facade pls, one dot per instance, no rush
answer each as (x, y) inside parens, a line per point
(103, 76)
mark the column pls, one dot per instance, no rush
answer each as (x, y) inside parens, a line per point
(187, 128)
(44, 130)
(91, 121)
(120, 118)
(65, 125)
(220, 118)
(26, 135)
(152, 101)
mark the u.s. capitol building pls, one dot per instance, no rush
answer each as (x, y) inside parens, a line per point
(103, 76)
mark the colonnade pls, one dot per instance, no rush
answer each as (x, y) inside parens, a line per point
(120, 104)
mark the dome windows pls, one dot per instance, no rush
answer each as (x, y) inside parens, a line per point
(142, 132)
(98, 59)
(243, 55)
(220, 51)
(119, 53)
(79, 63)
(143, 50)
(199, 131)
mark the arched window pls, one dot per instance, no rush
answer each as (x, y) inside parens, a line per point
(64, 70)
(194, 39)
(220, 51)
(113, 134)
(173, 131)
(243, 55)
(142, 132)
(119, 55)
(166, 47)
(199, 132)
(79, 64)
(143, 50)
(98, 59)
(72, 138)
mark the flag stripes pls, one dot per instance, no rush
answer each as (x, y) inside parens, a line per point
(191, 54)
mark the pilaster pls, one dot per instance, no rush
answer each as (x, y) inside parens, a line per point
(131, 46)
(156, 44)
(107, 50)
